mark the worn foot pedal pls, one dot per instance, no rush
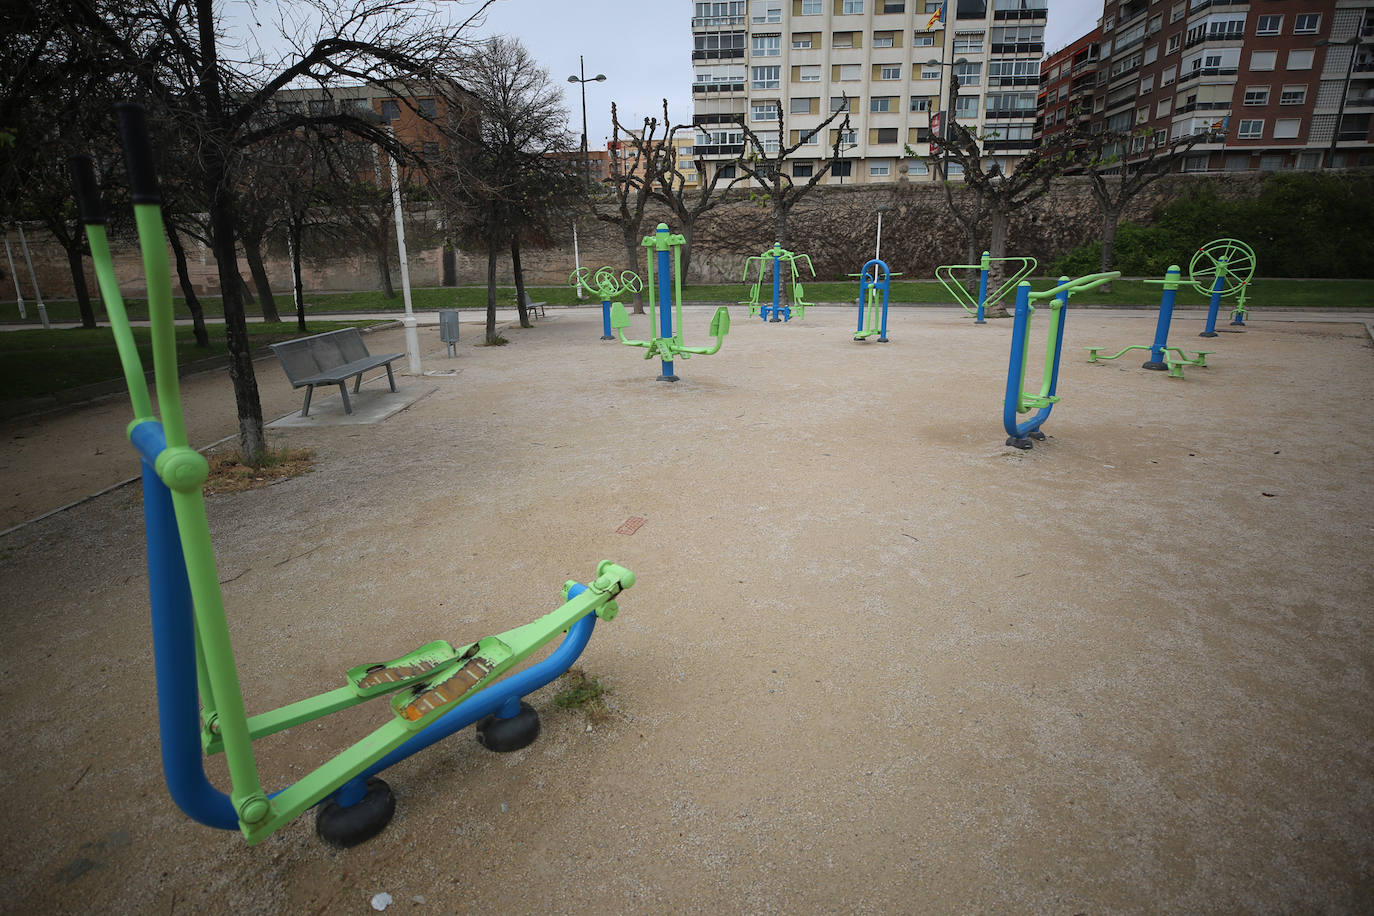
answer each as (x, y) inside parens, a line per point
(370, 680)
(428, 700)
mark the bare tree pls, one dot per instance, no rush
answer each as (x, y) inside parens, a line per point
(779, 188)
(634, 175)
(687, 203)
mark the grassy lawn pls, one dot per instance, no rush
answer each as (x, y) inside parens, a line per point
(1273, 293)
(38, 363)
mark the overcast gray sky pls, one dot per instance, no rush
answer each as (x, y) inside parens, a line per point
(645, 49)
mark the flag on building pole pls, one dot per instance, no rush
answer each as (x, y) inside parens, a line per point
(937, 16)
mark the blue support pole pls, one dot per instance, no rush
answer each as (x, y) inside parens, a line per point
(985, 265)
(1166, 315)
(665, 301)
(1215, 305)
(606, 320)
(777, 285)
(1020, 435)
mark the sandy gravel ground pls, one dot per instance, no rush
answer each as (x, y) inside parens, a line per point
(875, 660)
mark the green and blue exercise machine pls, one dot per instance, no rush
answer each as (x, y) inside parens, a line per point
(781, 260)
(977, 307)
(1162, 356)
(1223, 267)
(1017, 400)
(875, 286)
(665, 250)
(605, 285)
(431, 693)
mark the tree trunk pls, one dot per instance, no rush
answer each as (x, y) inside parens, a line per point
(519, 282)
(491, 290)
(384, 272)
(83, 295)
(450, 268)
(245, 293)
(188, 290)
(1110, 217)
(780, 222)
(688, 225)
(294, 228)
(251, 437)
(631, 261)
(252, 253)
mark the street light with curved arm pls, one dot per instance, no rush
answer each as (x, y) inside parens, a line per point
(583, 79)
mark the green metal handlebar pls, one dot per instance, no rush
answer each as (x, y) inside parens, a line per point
(1081, 284)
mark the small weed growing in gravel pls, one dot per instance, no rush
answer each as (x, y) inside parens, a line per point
(585, 692)
(230, 474)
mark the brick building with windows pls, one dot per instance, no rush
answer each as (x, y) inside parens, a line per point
(890, 61)
(1281, 84)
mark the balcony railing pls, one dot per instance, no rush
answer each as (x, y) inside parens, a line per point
(1010, 81)
(1202, 106)
(1205, 71)
(1204, 4)
(1021, 47)
(721, 54)
(714, 22)
(724, 149)
(1010, 114)
(996, 144)
(700, 88)
(1006, 15)
(1206, 37)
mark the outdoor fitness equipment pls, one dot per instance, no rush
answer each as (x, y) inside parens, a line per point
(607, 287)
(668, 345)
(778, 256)
(1017, 401)
(1160, 349)
(1222, 268)
(873, 278)
(945, 274)
(433, 692)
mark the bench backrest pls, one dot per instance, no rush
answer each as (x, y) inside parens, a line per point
(307, 356)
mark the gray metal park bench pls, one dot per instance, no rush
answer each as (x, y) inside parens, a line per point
(331, 358)
(532, 307)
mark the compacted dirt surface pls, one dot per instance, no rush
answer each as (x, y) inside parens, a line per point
(875, 660)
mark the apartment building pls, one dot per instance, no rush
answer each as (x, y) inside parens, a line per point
(1278, 83)
(1068, 82)
(894, 63)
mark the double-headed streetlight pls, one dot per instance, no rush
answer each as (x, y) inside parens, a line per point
(947, 119)
(1354, 43)
(583, 79)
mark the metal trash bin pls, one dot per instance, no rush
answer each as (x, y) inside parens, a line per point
(448, 329)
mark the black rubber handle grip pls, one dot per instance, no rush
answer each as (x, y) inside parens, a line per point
(87, 191)
(138, 153)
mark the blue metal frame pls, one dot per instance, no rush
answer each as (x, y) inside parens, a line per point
(1019, 434)
(665, 302)
(881, 280)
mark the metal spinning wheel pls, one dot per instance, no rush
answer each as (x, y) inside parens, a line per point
(1234, 259)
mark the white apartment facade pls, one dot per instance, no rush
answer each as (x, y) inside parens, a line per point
(892, 59)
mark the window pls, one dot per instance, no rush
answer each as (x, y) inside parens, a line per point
(1156, 24)
(766, 77)
(1300, 60)
(841, 169)
(882, 39)
(726, 171)
(880, 103)
(1271, 162)
(802, 169)
(811, 7)
(801, 106)
(1262, 60)
(1147, 84)
(1237, 163)
(391, 109)
(966, 106)
(1309, 160)
(1142, 115)
(917, 167)
(879, 169)
(1151, 55)
(894, 6)
(1287, 128)
(1271, 24)
(1138, 144)
(767, 46)
(852, 7)
(801, 42)
(1178, 12)
(769, 140)
(719, 45)
(1175, 42)
(765, 10)
(928, 72)
(920, 103)
(1293, 95)
(428, 108)
(954, 168)
(970, 74)
(1251, 130)
(1306, 23)
(1256, 95)
(886, 135)
(1195, 164)
(1164, 107)
(968, 42)
(848, 72)
(890, 73)
(848, 137)
(842, 40)
(923, 40)
(764, 111)
(809, 73)
(839, 103)
(810, 137)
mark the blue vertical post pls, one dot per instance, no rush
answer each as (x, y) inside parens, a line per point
(1016, 367)
(606, 320)
(1211, 329)
(985, 265)
(665, 295)
(777, 282)
(1166, 315)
